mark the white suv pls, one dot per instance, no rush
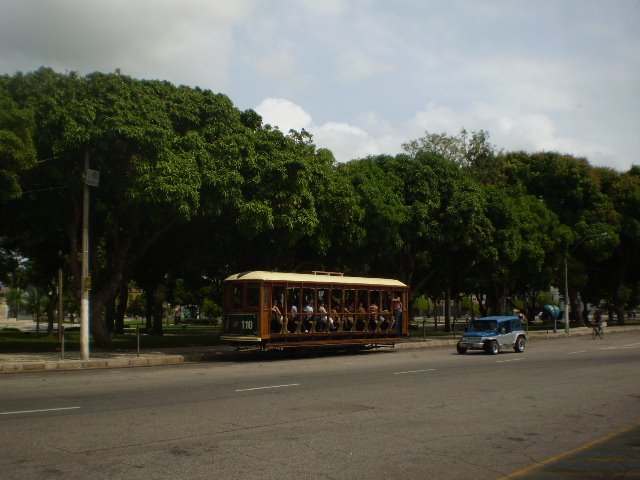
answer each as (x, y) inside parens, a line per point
(493, 334)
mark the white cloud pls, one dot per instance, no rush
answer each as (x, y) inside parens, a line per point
(347, 142)
(284, 114)
(372, 134)
(434, 119)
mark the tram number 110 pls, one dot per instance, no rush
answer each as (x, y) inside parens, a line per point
(247, 324)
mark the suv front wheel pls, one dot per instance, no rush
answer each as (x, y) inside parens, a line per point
(492, 347)
(519, 345)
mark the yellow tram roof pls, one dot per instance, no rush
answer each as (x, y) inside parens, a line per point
(320, 277)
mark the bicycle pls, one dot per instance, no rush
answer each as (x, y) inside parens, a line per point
(597, 331)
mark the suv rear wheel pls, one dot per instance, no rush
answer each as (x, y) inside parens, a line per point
(461, 350)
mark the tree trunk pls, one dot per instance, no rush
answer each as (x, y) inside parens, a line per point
(585, 313)
(574, 309)
(158, 299)
(447, 309)
(530, 305)
(482, 306)
(435, 313)
(609, 312)
(110, 315)
(498, 301)
(51, 313)
(148, 310)
(121, 308)
(101, 335)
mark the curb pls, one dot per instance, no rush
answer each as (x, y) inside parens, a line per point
(95, 364)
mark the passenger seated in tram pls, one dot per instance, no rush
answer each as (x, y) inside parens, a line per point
(292, 324)
(386, 320)
(347, 318)
(361, 317)
(322, 318)
(276, 317)
(373, 317)
(334, 318)
(306, 323)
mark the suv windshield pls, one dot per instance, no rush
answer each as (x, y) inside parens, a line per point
(482, 326)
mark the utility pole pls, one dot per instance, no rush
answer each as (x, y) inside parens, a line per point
(84, 276)
(60, 312)
(91, 178)
(566, 296)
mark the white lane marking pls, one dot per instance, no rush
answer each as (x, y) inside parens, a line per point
(631, 345)
(41, 410)
(264, 388)
(579, 351)
(415, 371)
(512, 360)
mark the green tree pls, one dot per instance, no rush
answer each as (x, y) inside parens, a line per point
(447, 231)
(616, 277)
(568, 186)
(157, 147)
(371, 230)
(525, 239)
(17, 152)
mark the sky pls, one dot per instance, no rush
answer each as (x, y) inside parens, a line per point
(365, 76)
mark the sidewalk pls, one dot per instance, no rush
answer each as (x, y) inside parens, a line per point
(51, 361)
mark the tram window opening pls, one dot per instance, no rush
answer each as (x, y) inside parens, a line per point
(387, 297)
(308, 319)
(294, 308)
(363, 301)
(278, 295)
(277, 309)
(336, 299)
(374, 301)
(322, 307)
(253, 295)
(237, 297)
(348, 309)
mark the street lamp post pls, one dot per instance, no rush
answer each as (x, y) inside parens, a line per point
(84, 274)
(566, 277)
(90, 178)
(566, 296)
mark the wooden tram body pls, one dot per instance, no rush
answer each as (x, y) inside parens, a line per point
(317, 309)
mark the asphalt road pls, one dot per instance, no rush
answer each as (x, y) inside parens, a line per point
(410, 414)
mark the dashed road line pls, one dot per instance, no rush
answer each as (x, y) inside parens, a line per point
(415, 371)
(268, 387)
(19, 412)
(618, 347)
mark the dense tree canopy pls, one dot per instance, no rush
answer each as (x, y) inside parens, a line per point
(192, 189)
(17, 152)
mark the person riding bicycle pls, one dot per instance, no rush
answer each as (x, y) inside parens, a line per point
(597, 322)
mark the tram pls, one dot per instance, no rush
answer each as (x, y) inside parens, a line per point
(317, 309)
